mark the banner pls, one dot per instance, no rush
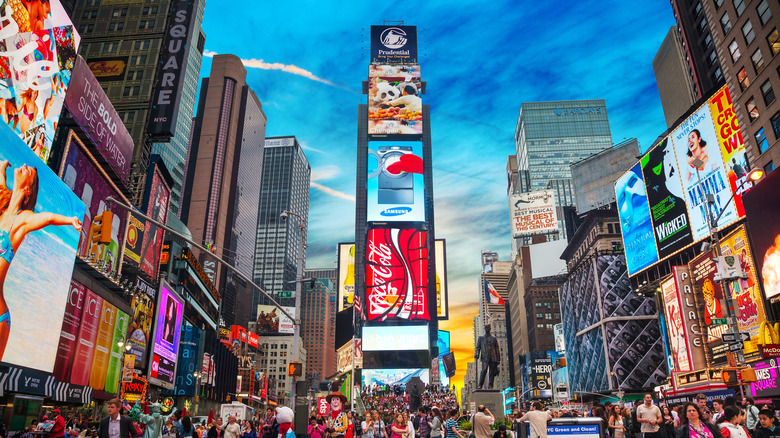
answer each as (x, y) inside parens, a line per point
(271, 321)
(666, 200)
(696, 138)
(88, 334)
(732, 146)
(86, 179)
(395, 189)
(140, 327)
(38, 253)
(695, 331)
(532, 213)
(393, 45)
(745, 294)
(394, 102)
(678, 339)
(70, 331)
(188, 365)
(346, 278)
(712, 305)
(39, 50)
(97, 378)
(442, 297)
(635, 223)
(116, 354)
(762, 208)
(397, 274)
(157, 209)
(167, 333)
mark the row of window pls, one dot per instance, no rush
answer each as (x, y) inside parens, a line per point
(117, 26)
(548, 316)
(118, 12)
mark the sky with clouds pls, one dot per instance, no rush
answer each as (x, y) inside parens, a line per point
(306, 61)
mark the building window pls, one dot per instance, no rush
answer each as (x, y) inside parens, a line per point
(141, 45)
(725, 23)
(110, 47)
(774, 41)
(769, 167)
(89, 14)
(146, 24)
(135, 75)
(698, 9)
(768, 93)
(132, 91)
(743, 79)
(539, 316)
(747, 31)
(707, 42)
(776, 124)
(734, 50)
(149, 11)
(120, 12)
(538, 305)
(718, 75)
(138, 60)
(752, 110)
(758, 62)
(739, 6)
(718, 3)
(761, 140)
(764, 13)
(702, 25)
(116, 26)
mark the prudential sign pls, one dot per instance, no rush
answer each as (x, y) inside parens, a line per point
(394, 44)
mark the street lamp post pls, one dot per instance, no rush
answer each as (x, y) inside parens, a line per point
(298, 277)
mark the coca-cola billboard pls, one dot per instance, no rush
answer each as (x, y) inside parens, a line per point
(397, 274)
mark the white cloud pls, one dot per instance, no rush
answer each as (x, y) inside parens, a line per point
(289, 68)
(325, 172)
(332, 192)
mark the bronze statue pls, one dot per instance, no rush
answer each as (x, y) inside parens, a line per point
(488, 347)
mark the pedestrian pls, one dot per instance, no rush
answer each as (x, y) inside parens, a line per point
(650, 416)
(424, 423)
(636, 426)
(668, 422)
(409, 426)
(501, 432)
(693, 426)
(706, 415)
(58, 430)
(451, 425)
(399, 426)
(186, 430)
(767, 426)
(729, 424)
(752, 413)
(483, 419)
(249, 430)
(537, 419)
(270, 427)
(617, 428)
(216, 429)
(437, 424)
(116, 425)
(717, 407)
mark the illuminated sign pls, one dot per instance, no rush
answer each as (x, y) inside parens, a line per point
(394, 102)
(762, 208)
(109, 69)
(678, 339)
(393, 44)
(394, 376)
(167, 333)
(635, 222)
(442, 299)
(395, 338)
(346, 277)
(397, 275)
(395, 189)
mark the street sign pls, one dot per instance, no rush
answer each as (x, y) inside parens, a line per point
(731, 337)
(289, 294)
(719, 321)
(736, 346)
(322, 406)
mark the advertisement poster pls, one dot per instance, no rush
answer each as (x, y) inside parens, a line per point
(395, 188)
(108, 69)
(392, 377)
(695, 330)
(84, 177)
(443, 343)
(88, 333)
(136, 226)
(712, 304)
(442, 299)
(635, 223)
(32, 98)
(397, 274)
(116, 354)
(70, 331)
(732, 145)
(678, 340)
(696, 138)
(36, 265)
(767, 382)
(128, 367)
(394, 44)
(532, 213)
(157, 209)
(97, 378)
(167, 331)
(394, 102)
(271, 320)
(762, 208)
(140, 326)
(745, 294)
(346, 280)
(666, 199)
(188, 354)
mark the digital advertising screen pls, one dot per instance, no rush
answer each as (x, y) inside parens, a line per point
(144, 239)
(270, 320)
(31, 99)
(442, 298)
(346, 278)
(676, 330)
(533, 213)
(443, 342)
(396, 376)
(38, 246)
(406, 337)
(635, 222)
(710, 294)
(695, 139)
(397, 274)
(395, 189)
(762, 208)
(666, 199)
(140, 327)
(85, 178)
(394, 102)
(393, 44)
(167, 331)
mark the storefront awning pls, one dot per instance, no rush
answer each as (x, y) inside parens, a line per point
(29, 381)
(70, 393)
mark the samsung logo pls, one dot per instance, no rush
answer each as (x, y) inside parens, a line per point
(396, 211)
(567, 111)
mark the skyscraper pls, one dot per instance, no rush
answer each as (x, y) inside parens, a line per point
(285, 187)
(674, 78)
(223, 178)
(318, 321)
(549, 137)
(122, 41)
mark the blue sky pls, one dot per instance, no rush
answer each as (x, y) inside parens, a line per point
(306, 61)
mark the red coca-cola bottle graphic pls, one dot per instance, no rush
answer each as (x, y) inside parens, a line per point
(397, 274)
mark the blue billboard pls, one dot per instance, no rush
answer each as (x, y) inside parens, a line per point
(395, 189)
(443, 342)
(635, 223)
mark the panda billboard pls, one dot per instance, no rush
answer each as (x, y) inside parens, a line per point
(394, 103)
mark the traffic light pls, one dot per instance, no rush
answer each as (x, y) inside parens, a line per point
(295, 369)
(100, 232)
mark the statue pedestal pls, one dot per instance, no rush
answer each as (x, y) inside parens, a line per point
(491, 398)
